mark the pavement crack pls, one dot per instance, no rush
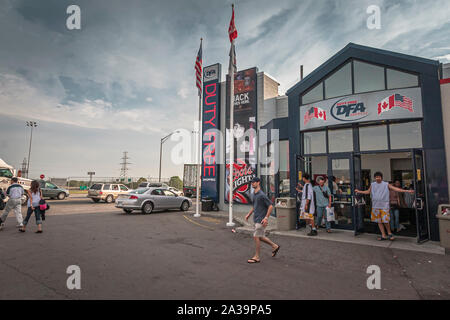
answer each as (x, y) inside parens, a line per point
(405, 274)
(35, 280)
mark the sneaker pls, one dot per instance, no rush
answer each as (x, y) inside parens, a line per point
(2, 225)
(312, 233)
(19, 225)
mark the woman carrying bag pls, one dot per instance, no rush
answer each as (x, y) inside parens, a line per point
(34, 198)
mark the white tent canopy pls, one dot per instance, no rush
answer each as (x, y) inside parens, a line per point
(3, 164)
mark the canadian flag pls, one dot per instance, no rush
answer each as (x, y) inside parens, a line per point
(315, 112)
(396, 100)
(320, 114)
(385, 105)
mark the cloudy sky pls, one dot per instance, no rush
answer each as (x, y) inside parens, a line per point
(127, 77)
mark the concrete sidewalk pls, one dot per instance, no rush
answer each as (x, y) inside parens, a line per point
(344, 236)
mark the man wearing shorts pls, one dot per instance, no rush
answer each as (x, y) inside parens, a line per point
(262, 208)
(307, 208)
(379, 192)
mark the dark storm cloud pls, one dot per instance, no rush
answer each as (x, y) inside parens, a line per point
(130, 70)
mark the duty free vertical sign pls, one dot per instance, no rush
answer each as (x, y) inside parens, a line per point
(211, 131)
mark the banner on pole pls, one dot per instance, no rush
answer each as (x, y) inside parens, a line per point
(211, 131)
(245, 135)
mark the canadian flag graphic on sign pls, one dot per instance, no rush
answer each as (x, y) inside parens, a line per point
(320, 114)
(315, 112)
(395, 100)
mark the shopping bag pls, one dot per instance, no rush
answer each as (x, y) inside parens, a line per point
(330, 214)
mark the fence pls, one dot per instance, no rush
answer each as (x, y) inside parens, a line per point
(86, 182)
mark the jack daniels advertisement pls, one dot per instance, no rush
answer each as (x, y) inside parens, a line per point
(245, 135)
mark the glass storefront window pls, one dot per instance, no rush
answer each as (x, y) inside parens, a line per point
(314, 142)
(340, 83)
(317, 167)
(313, 95)
(284, 186)
(397, 79)
(368, 77)
(406, 135)
(340, 140)
(373, 138)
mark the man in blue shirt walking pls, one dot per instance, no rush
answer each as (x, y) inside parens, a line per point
(323, 201)
(262, 208)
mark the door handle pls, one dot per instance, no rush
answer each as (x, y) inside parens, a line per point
(419, 204)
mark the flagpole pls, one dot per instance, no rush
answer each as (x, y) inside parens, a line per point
(230, 198)
(199, 151)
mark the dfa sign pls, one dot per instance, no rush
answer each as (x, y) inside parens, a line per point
(374, 106)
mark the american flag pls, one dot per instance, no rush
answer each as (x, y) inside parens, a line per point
(403, 102)
(198, 70)
(395, 100)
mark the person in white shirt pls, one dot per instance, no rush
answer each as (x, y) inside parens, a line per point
(379, 192)
(15, 193)
(307, 207)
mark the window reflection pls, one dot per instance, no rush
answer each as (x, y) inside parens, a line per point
(315, 94)
(340, 140)
(397, 79)
(368, 77)
(406, 135)
(373, 138)
(284, 185)
(340, 83)
(314, 142)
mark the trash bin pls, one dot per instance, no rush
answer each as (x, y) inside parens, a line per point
(286, 213)
(207, 204)
(444, 226)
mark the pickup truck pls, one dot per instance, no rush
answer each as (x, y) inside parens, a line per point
(6, 173)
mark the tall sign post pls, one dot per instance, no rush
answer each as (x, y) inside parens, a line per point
(232, 33)
(199, 84)
(90, 174)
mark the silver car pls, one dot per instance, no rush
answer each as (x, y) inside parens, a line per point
(149, 199)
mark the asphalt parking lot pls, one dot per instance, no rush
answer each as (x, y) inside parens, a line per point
(172, 255)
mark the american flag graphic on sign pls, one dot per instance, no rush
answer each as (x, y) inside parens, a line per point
(315, 112)
(395, 100)
(198, 70)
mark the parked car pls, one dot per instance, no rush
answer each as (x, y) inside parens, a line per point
(149, 199)
(176, 191)
(52, 191)
(153, 185)
(107, 192)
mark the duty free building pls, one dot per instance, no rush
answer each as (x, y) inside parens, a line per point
(364, 110)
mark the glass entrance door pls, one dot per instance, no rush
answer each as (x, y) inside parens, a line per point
(341, 183)
(423, 230)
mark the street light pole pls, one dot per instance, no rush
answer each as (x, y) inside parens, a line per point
(31, 124)
(160, 151)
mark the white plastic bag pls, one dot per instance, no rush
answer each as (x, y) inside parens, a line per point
(330, 214)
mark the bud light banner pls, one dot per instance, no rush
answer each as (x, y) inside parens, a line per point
(375, 106)
(210, 129)
(245, 135)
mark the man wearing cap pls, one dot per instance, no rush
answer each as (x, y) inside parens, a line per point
(262, 208)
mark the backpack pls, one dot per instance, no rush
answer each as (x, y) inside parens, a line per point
(43, 206)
